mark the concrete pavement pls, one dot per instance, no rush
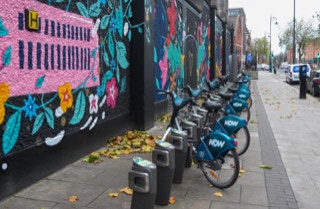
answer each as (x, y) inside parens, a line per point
(283, 132)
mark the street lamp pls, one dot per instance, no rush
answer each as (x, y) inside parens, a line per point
(270, 58)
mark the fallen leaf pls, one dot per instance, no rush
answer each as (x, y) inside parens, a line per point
(73, 199)
(213, 174)
(242, 171)
(218, 194)
(172, 200)
(126, 190)
(265, 166)
(113, 194)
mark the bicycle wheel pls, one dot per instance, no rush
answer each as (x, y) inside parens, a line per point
(245, 113)
(249, 102)
(242, 137)
(223, 172)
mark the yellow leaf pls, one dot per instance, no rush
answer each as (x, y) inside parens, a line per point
(218, 194)
(126, 151)
(126, 190)
(73, 199)
(150, 142)
(242, 171)
(172, 200)
(265, 166)
(113, 194)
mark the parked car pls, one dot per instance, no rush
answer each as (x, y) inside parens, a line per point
(292, 73)
(313, 82)
(284, 65)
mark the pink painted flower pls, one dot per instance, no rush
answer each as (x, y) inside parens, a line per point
(112, 92)
(93, 100)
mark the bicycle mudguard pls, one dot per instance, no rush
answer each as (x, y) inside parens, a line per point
(214, 145)
(243, 94)
(237, 104)
(229, 124)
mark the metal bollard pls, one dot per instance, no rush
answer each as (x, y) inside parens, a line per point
(142, 180)
(163, 156)
(203, 113)
(179, 140)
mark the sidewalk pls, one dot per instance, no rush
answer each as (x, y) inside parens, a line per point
(283, 132)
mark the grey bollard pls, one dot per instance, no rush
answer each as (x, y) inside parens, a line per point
(179, 139)
(163, 156)
(142, 181)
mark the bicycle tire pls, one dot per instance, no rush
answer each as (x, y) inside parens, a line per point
(229, 170)
(245, 113)
(242, 137)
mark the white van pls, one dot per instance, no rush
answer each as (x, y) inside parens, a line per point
(292, 73)
(284, 65)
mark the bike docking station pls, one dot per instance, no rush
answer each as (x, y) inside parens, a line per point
(179, 139)
(143, 182)
(163, 156)
(191, 130)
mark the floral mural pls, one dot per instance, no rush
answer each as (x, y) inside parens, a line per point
(64, 67)
(174, 60)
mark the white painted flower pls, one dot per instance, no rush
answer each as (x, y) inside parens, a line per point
(93, 100)
(125, 28)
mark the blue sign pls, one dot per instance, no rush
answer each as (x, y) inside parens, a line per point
(249, 57)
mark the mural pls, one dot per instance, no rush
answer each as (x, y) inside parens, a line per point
(219, 51)
(64, 67)
(181, 45)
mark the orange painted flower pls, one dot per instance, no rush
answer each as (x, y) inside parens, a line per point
(4, 92)
(4, 95)
(65, 95)
(173, 81)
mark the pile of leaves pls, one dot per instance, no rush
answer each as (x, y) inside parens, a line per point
(165, 118)
(130, 142)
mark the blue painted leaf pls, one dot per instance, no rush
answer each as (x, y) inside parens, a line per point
(129, 35)
(83, 10)
(158, 84)
(78, 109)
(118, 74)
(49, 117)
(3, 30)
(58, 1)
(111, 45)
(6, 58)
(140, 29)
(94, 52)
(130, 12)
(11, 132)
(40, 81)
(121, 55)
(125, 1)
(94, 77)
(103, 2)
(119, 15)
(95, 9)
(106, 58)
(110, 4)
(104, 22)
(155, 56)
(123, 84)
(106, 77)
(38, 123)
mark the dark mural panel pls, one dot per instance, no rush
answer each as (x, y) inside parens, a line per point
(181, 45)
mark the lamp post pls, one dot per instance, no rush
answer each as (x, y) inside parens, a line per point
(294, 33)
(270, 53)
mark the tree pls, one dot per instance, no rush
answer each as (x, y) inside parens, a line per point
(260, 48)
(304, 34)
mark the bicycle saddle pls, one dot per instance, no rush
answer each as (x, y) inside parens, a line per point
(225, 95)
(209, 105)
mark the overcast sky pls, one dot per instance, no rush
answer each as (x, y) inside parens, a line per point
(258, 13)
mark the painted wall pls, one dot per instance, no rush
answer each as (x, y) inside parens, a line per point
(64, 68)
(181, 51)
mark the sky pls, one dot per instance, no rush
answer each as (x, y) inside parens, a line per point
(258, 13)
